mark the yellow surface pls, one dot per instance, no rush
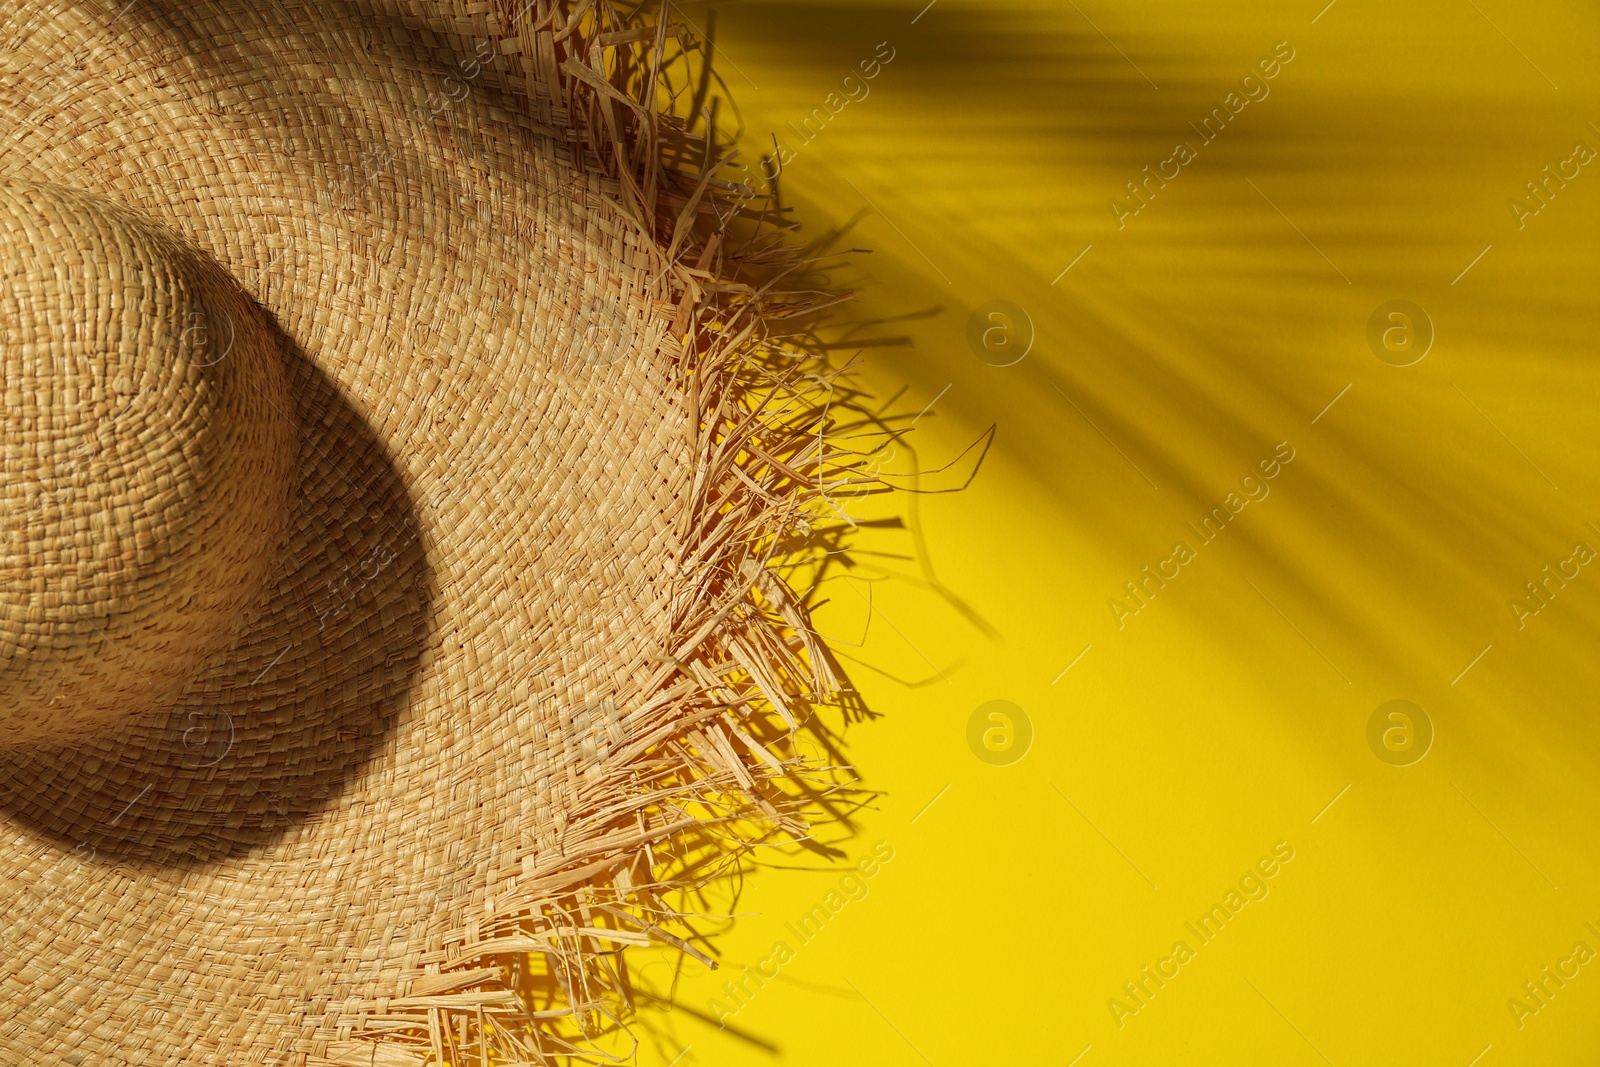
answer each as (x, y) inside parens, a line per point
(1231, 712)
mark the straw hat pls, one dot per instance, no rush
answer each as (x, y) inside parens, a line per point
(393, 456)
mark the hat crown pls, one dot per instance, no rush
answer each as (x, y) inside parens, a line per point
(144, 462)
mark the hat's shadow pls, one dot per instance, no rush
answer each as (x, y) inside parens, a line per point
(273, 732)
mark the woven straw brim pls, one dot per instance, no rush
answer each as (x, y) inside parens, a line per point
(521, 630)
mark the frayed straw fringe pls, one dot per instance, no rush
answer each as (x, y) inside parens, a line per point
(706, 768)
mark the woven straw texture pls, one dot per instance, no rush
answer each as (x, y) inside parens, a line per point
(148, 446)
(395, 450)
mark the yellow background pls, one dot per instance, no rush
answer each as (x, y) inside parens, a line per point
(1227, 714)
